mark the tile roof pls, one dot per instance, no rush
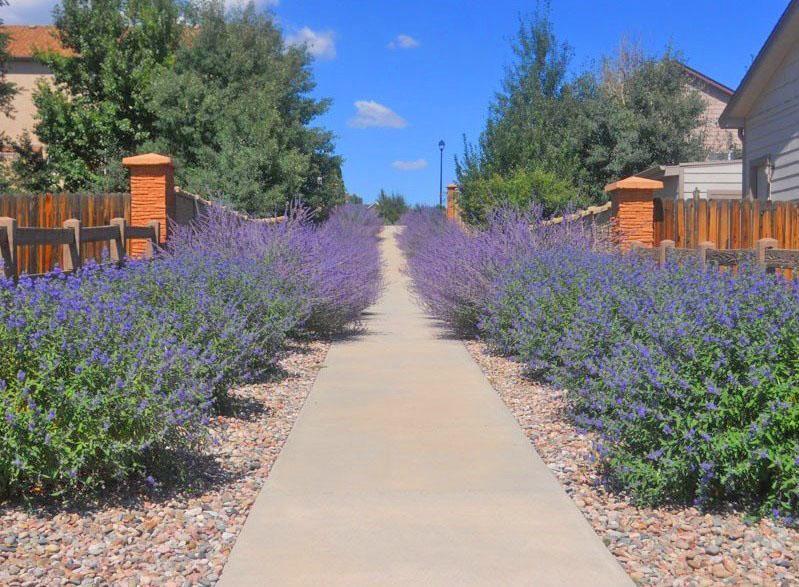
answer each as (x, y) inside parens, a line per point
(24, 40)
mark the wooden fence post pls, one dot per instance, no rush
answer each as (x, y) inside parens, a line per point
(8, 248)
(701, 252)
(152, 244)
(70, 253)
(665, 245)
(118, 244)
(762, 246)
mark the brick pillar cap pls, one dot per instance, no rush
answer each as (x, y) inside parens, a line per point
(634, 183)
(452, 186)
(146, 159)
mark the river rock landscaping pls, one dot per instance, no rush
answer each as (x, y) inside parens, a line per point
(166, 535)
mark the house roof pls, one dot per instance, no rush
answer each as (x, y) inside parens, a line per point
(763, 68)
(698, 75)
(25, 40)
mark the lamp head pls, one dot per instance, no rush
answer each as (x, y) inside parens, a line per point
(441, 145)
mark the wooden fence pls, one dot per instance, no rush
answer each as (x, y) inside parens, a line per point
(765, 253)
(596, 220)
(71, 239)
(51, 211)
(730, 224)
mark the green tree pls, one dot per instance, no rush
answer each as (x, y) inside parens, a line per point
(519, 189)
(354, 199)
(97, 110)
(391, 207)
(30, 171)
(557, 142)
(639, 111)
(235, 111)
(529, 129)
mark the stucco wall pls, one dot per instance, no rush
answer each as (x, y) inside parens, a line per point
(24, 73)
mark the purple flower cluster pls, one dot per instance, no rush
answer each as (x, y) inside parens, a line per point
(454, 270)
(688, 376)
(108, 371)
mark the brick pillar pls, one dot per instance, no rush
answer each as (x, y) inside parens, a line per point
(152, 194)
(453, 209)
(633, 210)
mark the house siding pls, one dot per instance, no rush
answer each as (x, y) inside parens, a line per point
(772, 130)
(671, 185)
(719, 177)
(718, 141)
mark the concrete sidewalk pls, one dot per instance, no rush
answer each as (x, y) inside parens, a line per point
(405, 468)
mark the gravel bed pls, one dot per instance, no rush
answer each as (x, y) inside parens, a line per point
(656, 546)
(172, 537)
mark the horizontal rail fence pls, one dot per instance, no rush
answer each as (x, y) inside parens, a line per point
(596, 220)
(730, 224)
(51, 211)
(766, 253)
(71, 239)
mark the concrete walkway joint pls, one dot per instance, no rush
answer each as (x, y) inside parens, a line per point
(405, 468)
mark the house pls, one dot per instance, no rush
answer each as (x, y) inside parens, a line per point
(765, 110)
(25, 72)
(721, 143)
(713, 180)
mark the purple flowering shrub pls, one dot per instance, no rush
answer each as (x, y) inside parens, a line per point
(92, 383)
(109, 372)
(340, 268)
(453, 270)
(687, 376)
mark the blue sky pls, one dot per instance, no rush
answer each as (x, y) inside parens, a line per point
(403, 75)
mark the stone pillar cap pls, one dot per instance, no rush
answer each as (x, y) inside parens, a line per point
(146, 159)
(634, 183)
(452, 186)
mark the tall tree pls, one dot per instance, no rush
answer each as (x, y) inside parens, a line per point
(640, 111)
(98, 109)
(235, 111)
(557, 141)
(527, 138)
(391, 207)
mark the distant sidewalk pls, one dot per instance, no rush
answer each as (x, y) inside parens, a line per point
(405, 468)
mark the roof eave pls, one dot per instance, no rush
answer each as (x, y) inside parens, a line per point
(726, 121)
(768, 59)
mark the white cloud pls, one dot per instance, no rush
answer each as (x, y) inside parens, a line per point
(410, 165)
(374, 114)
(403, 42)
(320, 44)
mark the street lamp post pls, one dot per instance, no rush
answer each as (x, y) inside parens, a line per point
(441, 174)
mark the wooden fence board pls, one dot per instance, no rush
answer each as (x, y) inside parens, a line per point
(729, 224)
(679, 221)
(50, 211)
